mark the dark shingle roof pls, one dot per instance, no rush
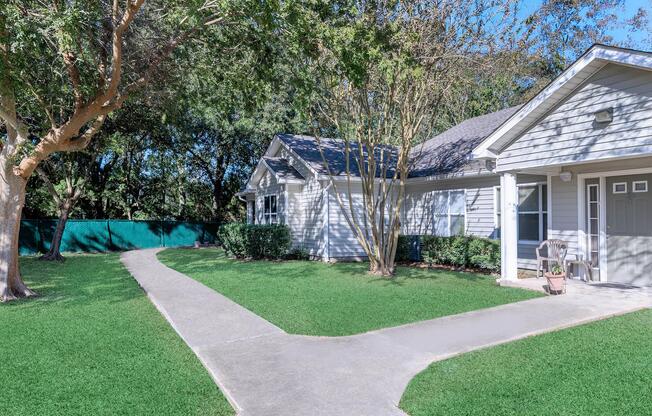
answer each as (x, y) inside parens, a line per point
(444, 154)
(449, 151)
(282, 168)
(308, 149)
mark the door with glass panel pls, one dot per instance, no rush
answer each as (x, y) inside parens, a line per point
(592, 225)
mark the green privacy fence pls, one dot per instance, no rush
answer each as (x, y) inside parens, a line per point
(113, 235)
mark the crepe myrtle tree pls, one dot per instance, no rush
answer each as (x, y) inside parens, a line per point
(64, 67)
(384, 75)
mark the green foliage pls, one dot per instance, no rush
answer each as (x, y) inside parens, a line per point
(317, 298)
(462, 251)
(255, 241)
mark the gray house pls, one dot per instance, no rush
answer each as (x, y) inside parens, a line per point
(574, 163)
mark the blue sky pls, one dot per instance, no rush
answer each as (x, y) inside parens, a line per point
(640, 39)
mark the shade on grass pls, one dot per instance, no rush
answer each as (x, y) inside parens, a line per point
(603, 368)
(93, 344)
(313, 298)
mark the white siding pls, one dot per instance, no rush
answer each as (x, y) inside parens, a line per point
(569, 134)
(269, 186)
(418, 213)
(342, 240)
(305, 216)
(563, 221)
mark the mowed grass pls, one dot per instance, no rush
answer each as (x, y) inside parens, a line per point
(93, 344)
(603, 368)
(313, 298)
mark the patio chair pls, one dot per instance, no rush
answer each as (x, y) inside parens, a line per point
(555, 252)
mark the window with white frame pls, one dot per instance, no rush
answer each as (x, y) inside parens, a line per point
(270, 211)
(450, 213)
(532, 213)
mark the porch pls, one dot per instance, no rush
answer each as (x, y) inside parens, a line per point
(603, 210)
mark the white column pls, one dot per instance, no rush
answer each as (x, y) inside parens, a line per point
(509, 226)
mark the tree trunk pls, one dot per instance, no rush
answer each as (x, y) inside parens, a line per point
(12, 198)
(54, 254)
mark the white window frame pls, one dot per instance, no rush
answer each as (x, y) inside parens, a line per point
(449, 213)
(270, 217)
(613, 188)
(634, 183)
(543, 210)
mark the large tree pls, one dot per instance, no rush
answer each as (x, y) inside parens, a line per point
(104, 53)
(385, 76)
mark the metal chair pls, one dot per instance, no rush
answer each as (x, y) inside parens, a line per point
(555, 252)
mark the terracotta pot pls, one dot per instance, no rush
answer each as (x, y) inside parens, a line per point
(555, 282)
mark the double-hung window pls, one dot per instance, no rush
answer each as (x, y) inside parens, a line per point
(450, 213)
(532, 213)
(270, 211)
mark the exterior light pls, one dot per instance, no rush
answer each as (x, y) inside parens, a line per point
(604, 116)
(565, 176)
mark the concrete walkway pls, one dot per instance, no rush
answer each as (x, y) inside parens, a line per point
(266, 372)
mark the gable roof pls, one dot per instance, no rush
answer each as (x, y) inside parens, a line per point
(282, 169)
(451, 150)
(444, 154)
(565, 84)
(307, 148)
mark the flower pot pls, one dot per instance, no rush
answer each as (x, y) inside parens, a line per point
(556, 282)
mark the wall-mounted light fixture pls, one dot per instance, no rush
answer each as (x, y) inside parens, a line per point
(566, 176)
(604, 116)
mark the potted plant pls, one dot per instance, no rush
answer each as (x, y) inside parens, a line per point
(556, 278)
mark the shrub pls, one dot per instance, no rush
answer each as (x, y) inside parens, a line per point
(298, 253)
(234, 237)
(255, 241)
(459, 251)
(403, 249)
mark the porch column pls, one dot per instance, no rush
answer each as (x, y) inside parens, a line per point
(508, 226)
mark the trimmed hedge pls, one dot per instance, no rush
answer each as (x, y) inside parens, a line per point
(459, 251)
(255, 241)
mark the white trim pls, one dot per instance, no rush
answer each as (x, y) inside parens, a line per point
(327, 223)
(601, 53)
(603, 230)
(450, 214)
(616, 184)
(581, 231)
(549, 204)
(634, 183)
(539, 185)
(270, 194)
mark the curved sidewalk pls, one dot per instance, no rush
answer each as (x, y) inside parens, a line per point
(267, 372)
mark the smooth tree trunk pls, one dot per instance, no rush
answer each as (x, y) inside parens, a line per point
(12, 199)
(54, 254)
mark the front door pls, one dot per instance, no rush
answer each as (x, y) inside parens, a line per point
(629, 229)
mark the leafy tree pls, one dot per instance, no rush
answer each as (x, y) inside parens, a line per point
(384, 75)
(102, 54)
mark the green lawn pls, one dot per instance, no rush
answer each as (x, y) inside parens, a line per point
(93, 344)
(314, 298)
(603, 368)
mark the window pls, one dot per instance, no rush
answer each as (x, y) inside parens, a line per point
(532, 212)
(270, 213)
(450, 213)
(620, 187)
(639, 186)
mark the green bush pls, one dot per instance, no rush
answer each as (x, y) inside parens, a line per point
(234, 237)
(459, 251)
(255, 241)
(403, 247)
